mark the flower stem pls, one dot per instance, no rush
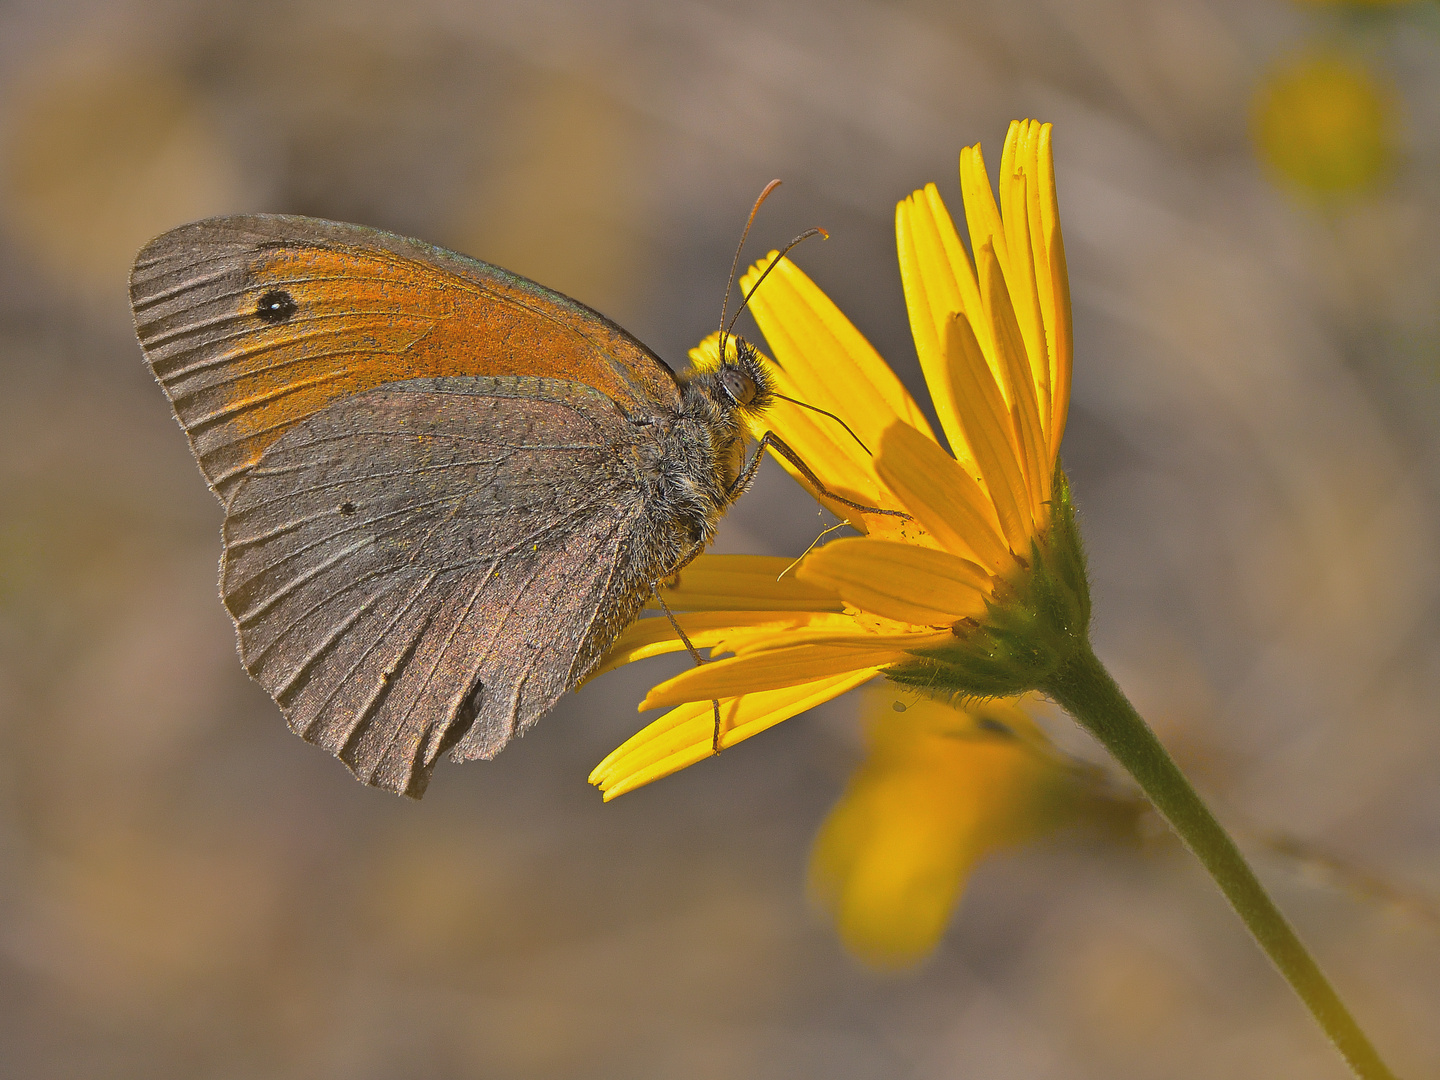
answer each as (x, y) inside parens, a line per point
(1091, 696)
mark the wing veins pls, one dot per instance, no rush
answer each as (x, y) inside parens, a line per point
(320, 541)
(336, 632)
(380, 639)
(180, 289)
(295, 583)
(260, 348)
(255, 401)
(380, 572)
(364, 714)
(438, 659)
(295, 523)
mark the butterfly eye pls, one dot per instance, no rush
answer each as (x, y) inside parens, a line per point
(738, 386)
(276, 306)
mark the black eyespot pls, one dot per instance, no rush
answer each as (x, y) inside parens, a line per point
(276, 306)
(347, 508)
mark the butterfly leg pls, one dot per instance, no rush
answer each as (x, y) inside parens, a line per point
(746, 478)
(695, 655)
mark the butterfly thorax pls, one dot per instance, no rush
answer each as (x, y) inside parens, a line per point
(700, 459)
(688, 466)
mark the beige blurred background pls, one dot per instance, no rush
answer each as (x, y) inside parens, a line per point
(188, 890)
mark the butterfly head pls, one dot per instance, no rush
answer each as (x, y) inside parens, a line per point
(719, 408)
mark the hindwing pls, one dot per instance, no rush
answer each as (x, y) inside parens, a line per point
(418, 567)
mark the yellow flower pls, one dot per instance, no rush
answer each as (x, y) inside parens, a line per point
(1324, 125)
(969, 594)
(978, 592)
(940, 789)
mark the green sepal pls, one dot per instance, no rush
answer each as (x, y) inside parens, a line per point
(1034, 623)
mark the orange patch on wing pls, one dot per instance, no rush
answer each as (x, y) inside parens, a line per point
(364, 319)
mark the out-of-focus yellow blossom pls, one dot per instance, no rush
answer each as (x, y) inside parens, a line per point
(1324, 125)
(940, 789)
(970, 581)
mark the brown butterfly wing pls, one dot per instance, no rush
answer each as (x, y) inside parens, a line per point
(427, 565)
(254, 323)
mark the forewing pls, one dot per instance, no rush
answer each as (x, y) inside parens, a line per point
(252, 324)
(416, 567)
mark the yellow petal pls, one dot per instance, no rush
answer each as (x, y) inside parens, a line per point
(1032, 443)
(1060, 387)
(790, 665)
(1059, 334)
(982, 218)
(889, 864)
(1027, 163)
(1034, 158)
(743, 583)
(899, 581)
(654, 636)
(823, 361)
(829, 359)
(932, 293)
(684, 735)
(991, 431)
(960, 263)
(948, 502)
(1015, 188)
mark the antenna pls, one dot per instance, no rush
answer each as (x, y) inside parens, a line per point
(735, 263)
(817, 231)
(823, 412)
(725, 327)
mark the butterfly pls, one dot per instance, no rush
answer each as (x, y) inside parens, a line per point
(447, 489)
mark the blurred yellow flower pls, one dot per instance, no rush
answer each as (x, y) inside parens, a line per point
(940, 789)
(1325, 125)
(955, 587)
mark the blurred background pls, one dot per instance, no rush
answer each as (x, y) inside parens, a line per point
(1251, 196)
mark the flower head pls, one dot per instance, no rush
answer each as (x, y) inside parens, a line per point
(979, 589)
